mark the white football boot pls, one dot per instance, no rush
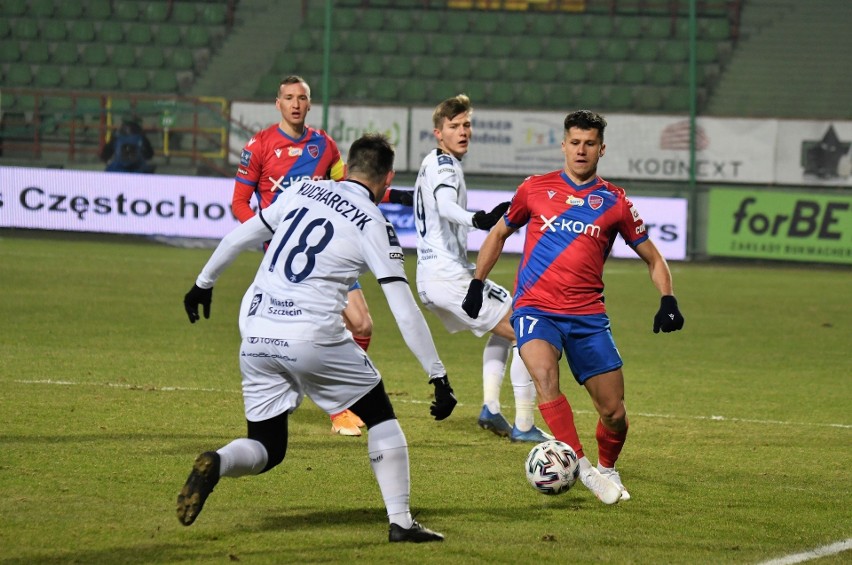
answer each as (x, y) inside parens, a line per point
(613, 475)
(606, 490)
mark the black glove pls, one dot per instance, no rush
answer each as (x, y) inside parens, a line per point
(472, 303)
(485, 220)
(668, 318)
(196, 296)
(404, 197)
(445, 400)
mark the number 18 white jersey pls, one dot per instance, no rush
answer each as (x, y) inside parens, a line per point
(441, 244)
(327, 234)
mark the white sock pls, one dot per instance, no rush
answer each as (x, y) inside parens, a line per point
(524, 390)
(389, 458)
(242, 457)
(494, 359)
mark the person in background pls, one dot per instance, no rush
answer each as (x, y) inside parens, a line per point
(128, 150)
(280, 156)
(324, 234)
(573, 217)
(444, 271)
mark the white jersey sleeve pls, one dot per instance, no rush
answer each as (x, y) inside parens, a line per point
(413, 326)
(441, 228)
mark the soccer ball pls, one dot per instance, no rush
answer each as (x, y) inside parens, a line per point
(552, 467)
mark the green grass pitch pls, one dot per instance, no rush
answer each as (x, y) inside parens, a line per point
(739, 449)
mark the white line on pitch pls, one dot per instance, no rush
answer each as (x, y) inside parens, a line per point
(408, 401)
(815, 553)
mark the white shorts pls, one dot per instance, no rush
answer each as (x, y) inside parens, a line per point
(444, 298)
(278, 373)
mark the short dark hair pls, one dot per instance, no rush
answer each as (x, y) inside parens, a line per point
(371, 155)
(585, 119)
(450, 108)
(293, 79)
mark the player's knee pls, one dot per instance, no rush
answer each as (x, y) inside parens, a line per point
(374, 407)
(272, 434)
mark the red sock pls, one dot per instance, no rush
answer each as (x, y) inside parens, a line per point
(363, 341)
(609, 444)
(560, 419)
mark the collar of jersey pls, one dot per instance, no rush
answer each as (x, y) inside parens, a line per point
(364, 186)
(579, 187)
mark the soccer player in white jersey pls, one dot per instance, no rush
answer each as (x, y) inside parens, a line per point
(444, 271)
(294, 342)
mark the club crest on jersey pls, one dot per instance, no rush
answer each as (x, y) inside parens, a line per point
(313, 151)
(255, 302)
(551, 194)
(574, 201)
(595, 201)
(294, 151)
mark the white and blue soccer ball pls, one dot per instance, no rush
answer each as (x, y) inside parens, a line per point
(552, 467)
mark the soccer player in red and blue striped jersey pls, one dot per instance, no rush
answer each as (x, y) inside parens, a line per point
(572, 218)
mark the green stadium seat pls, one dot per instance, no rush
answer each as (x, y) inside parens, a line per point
(628, 27)
(126, 10)
(516, 70)
(155, 12)
(529, 50)
(65, 54)
(168, 35)
(385, 90)
(500, 46)
(134, 80)
(18, 74)
(620, 99)
(111, 32)
(486, 69)
(631, 74)
(164, 81)
(10, 51)
(561, 96)
(573, 27)
(456, 23)
(25, 29)
(372, 20)
(183, 13)
(400, 20)
(415, 92)
(664, 74)
(47, 76)
(457, 68)
(444, 88)
(429, 67)
(267, 86)
(151, 57)
(54, 30)
(648, 99)
(574, 71)
(82, 31)
(541, 25)
(430, 22)
(674, 52)
(105, 79)
(41, 9)
(94, 55)
(530, 96)
(586, 49)
(181, 59)
(715, 29)
(543, 72)
(384, 43)
(676, 99)
(658, 28)
(123, 56)
(76, 77)
(139, 34)
(11, 8)
(487, 23)
(475, 90)
(589, 96)
(413, 44)
(471, 46)
(372, 66)
(344, 18)
(283, 62)
(399, 66)
(645, 50)
(603, 72)
(5, 28)
(197, 36)
(502, 94)
(302, 40)
(214, 13)
(100, 10)
(600, 26)
(442, 44)
(616, 50)
(36, 53)
(706, 52)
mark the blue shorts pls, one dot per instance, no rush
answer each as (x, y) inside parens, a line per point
(355, 286)
(586, 340)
